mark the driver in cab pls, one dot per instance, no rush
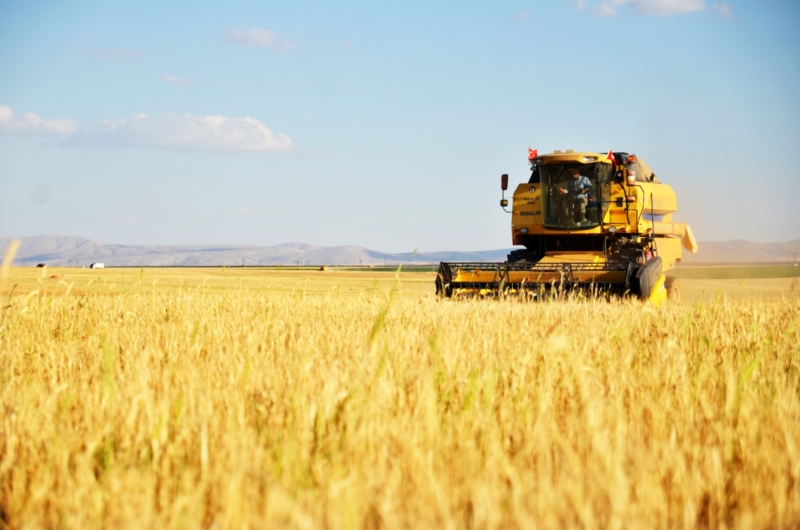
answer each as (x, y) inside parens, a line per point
(577, 194)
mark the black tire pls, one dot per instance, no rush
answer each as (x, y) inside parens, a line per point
(674, 289)
(443, 279)
(646, 277)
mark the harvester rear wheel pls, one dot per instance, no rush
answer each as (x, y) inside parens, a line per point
(673, 287)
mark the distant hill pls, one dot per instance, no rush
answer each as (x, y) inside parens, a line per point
(740, 251)
(69, 250)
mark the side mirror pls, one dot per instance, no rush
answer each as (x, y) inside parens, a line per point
(504, 182)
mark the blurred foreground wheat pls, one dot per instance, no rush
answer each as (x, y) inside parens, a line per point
(244, 408)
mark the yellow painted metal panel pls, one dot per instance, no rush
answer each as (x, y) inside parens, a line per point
(656, 197)
(669, 249)
(659, 294)
(527, 210)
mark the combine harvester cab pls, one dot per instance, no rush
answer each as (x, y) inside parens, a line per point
(595, 222)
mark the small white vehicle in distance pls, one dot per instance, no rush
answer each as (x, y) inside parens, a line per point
(97, 266)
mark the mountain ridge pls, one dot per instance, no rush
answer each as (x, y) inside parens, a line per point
(73, 250)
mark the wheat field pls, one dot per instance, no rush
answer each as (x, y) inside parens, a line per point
(146, 399)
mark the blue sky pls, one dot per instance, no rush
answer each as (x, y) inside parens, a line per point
(385, 126)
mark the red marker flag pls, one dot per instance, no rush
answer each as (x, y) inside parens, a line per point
(610, 156)
(532, 153)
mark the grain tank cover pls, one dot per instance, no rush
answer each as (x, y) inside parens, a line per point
(643, 171)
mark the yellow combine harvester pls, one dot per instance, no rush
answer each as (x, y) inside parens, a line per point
(592, 221)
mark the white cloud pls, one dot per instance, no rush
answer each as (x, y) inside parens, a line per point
(643, 7)
(723, 10)
(164, 131)
(113, 54)
(258, 38)
(524, 14)
(32, 123)
(177, 80)
(183, 133)
(666, 7)
(346, 44)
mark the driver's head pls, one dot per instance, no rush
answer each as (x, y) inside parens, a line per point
(576, 174)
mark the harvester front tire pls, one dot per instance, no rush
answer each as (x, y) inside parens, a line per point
(646, 278)
(673, 287)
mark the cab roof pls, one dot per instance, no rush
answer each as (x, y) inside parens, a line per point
(581, 157)
(643, 171)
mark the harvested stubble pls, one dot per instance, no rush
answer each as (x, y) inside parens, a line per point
(243, 408)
